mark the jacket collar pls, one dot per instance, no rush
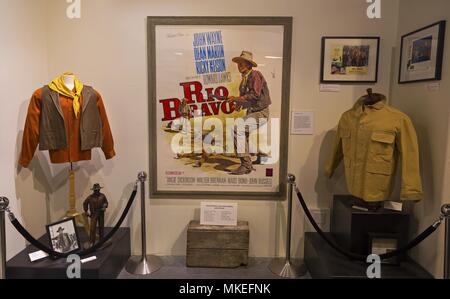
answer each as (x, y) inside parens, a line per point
(380, 104)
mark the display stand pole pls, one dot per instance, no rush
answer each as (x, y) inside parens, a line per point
(446, 214)
(287, 267)
(144, 264)
(80, 219)
(4, 203)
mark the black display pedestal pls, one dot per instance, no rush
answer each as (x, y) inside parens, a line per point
(110, 261)
(352, 228)
(325, 263)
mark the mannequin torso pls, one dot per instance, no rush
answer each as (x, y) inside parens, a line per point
(371, 98)
(69, 81)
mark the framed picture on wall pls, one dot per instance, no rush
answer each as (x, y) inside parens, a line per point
(349, 59)
(219, 106)
(421, 54)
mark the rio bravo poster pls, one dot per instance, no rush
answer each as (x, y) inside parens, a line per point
(218, 102)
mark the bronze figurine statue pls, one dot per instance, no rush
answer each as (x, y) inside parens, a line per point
(96, 203)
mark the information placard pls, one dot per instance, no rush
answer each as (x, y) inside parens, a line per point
(216, 213)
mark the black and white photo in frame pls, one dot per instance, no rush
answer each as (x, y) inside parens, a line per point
(63, 236)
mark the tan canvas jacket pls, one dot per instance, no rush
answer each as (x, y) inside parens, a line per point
(370, 140)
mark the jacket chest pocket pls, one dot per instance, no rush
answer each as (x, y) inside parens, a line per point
(382, 146)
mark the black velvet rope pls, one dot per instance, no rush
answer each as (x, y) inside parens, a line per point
(90, 250)
(359, 257)
(35, 242)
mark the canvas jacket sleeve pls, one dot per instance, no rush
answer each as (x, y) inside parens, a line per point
(407, 146)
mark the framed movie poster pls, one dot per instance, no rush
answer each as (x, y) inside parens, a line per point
(421, 54)
(219, 106)
(350, 59)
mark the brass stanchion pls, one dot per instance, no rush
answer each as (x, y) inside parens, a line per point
(80, 218)
(144, 264)
(287, 267)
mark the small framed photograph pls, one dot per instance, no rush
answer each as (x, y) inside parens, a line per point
(63, 236)
(384, 243)
(421, 54)
(349, 59)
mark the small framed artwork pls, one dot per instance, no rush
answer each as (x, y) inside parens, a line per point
(384, 243)
(63, 236)
(349, 59)
(421, 54)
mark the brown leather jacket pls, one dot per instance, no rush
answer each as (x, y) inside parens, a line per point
(51, 124)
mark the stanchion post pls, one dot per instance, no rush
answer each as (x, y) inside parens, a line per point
(445, 210)
(288, 267)
(144, 264)
(4, 203)
(142, 177)
(291, 182)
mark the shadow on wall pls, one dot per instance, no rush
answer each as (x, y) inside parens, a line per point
(32, 205)
(30, 185)
(427, 171)
(181, 241)
(280, 224)
(324, 187)
(118, 210)
(426, 211)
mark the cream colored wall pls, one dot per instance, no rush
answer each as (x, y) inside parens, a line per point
(107, 48)
(23, 67)
(429, 111)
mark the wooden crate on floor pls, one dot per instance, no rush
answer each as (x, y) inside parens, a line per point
(213, 246)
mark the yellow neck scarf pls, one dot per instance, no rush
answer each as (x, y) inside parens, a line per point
(58, 85)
